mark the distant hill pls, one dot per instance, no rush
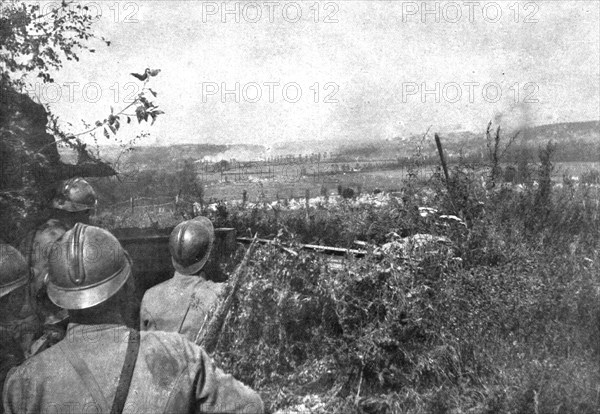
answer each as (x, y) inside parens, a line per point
(589, 130)
(577, 141)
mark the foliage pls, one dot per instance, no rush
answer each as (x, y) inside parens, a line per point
(35, 43)
(513, 326)
(188, 182)
(591, 177)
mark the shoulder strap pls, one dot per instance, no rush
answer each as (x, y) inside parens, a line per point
(86, 375)
(133, 347)
(185, 315)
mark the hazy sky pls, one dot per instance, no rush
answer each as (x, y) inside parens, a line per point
(370, 61)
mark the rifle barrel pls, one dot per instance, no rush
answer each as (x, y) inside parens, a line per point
(337, 251)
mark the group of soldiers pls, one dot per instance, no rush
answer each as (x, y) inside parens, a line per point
(68, 322)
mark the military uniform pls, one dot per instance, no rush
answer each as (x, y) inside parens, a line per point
(171, 375)
(11, 355)
(24, 330)
(183, 304)
(37, 250)
(16, 318)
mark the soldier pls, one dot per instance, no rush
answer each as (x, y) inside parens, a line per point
(74, 200)
(105, 365)
(15, 318)
(186, 302)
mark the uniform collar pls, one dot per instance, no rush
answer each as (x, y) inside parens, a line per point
(200, 276)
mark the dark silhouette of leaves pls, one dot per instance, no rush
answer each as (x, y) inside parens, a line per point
(140, 77)
(140, 113)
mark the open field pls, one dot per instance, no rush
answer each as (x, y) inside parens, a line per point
(288, 182)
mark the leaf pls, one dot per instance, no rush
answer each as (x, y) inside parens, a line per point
(139, 77)
(145, 101)
(106, 134)
(140, 113)
(112, 110)
(129, 120)
(152, 92)
(113, 129)
(98, 123)
(154, 72)
(153, 118)
(158, 112)
(117, 125)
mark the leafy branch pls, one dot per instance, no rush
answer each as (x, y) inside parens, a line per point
(112, 123)
(35, 43)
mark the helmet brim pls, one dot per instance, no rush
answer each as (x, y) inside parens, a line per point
(6, 289)
(90, 296)
(70, 206)
(193, 269)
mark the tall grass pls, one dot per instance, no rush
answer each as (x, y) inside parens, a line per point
(510, 326)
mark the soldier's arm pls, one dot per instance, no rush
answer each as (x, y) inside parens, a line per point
(11, 356)
(17, 391)
(218, 392)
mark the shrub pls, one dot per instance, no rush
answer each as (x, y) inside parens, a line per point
(348, 192)
(591, 176)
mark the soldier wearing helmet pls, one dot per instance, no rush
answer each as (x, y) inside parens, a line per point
(104, 364)
(15, 323)
(185, 303)
(72, 203)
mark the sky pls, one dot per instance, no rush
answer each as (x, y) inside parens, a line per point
(354, 70)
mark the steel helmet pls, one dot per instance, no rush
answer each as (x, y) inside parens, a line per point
(13, 269)
(75, 194)
(190, 244)
(90, 267)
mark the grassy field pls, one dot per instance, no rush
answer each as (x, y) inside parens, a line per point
(294, 186)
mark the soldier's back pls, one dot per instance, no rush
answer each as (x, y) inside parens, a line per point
(182, 304)
(171, 375)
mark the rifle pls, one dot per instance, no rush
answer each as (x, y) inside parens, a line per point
(209, 337)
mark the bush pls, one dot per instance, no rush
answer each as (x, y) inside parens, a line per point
(348, 192)
(510, 325)
(591, 176)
